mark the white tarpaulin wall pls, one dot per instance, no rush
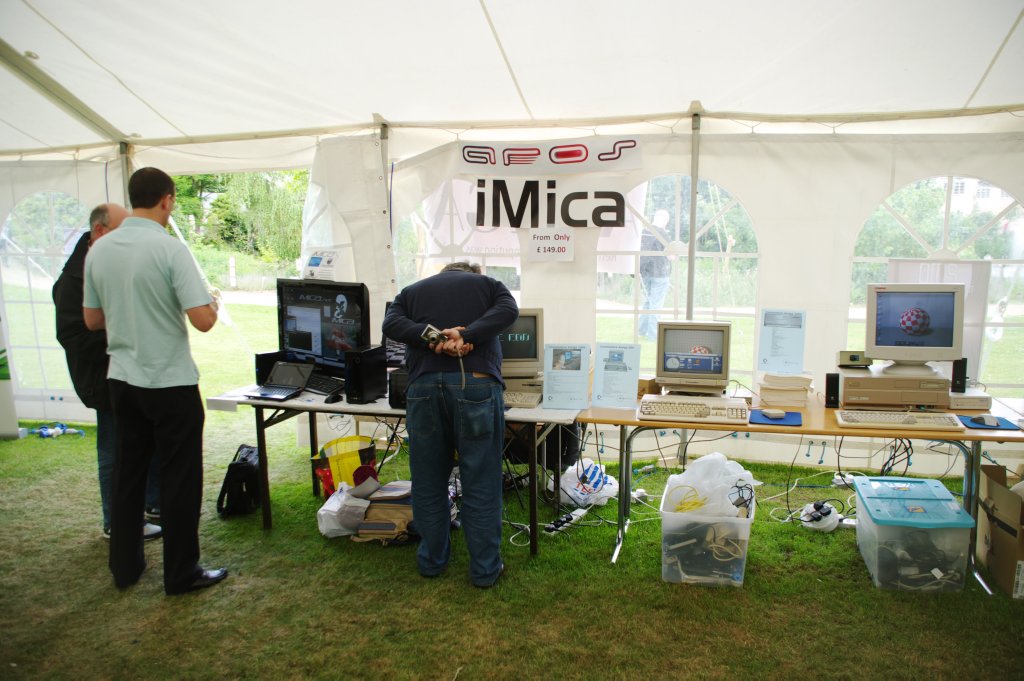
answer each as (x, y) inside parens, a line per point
(347, 211)
(807, 196)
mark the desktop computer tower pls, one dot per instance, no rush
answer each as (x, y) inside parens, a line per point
(366, 374)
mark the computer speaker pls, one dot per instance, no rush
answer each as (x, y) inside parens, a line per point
(366, 374)
(398, 383)
(959, 383)
(832, 391)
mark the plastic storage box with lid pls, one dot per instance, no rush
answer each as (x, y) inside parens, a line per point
(912, 533)
(699, 549)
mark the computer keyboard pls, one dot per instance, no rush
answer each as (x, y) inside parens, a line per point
(323, 384)
(686, 408)
(521, 400)
(275, 392)
(897, 420)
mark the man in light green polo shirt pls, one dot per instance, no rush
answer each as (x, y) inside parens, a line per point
(141, 285)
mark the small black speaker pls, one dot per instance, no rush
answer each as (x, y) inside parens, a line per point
(366, 374)
(265, 361)
(959, 383)
(832, 391)
(398, 382)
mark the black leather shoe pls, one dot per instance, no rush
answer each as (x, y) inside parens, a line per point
(204, 579)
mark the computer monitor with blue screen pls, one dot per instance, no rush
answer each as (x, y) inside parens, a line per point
(522, 345)
(319, 320)
(912, 324)
(693, 357)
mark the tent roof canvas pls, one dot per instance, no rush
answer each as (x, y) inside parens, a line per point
(81, 75)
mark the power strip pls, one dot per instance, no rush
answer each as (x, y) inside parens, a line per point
(565, 521)
(845, 480)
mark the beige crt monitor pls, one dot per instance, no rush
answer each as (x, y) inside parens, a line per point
(693, 357)
(912, 324)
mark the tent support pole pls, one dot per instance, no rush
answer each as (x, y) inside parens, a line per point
(691, 253)
(124, 157)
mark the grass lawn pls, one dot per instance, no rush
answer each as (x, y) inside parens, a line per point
(297, 605)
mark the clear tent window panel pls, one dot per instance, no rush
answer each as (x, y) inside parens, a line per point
(643, 268)
(953, 219)
(443, 229)
(35, 242)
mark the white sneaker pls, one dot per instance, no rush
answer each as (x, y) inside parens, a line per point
(151, 531)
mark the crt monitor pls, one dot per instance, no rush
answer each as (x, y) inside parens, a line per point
(522, 345)
(911, 324)
(693, 357)
(317, 321)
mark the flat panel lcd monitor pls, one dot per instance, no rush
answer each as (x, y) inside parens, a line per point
(914, 323)
(319, 320)
(693, 356)
(522, 345)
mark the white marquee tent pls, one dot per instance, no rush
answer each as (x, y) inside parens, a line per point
(838, 103)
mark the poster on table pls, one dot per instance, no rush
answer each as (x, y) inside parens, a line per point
(566, 376)
(616, 374)
(781, 349)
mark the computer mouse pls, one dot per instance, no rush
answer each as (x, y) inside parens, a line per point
(332, 398)
(985, 420)
(773, 413)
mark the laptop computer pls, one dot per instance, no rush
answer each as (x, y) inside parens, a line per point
(285, 381)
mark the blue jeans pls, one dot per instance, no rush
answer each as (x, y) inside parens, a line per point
(654, 291)
(106, 448)
(443, 418)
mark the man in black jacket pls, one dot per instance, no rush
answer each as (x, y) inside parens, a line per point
(86, 353)
(455, 403)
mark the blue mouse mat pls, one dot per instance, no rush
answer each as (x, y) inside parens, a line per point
(1004, 424)
(792, 418)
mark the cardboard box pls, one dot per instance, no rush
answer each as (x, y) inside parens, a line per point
(1000, 545)
(647, 385)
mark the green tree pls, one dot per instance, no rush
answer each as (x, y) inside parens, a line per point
(261, 213)
(45, 221)
(193, 193)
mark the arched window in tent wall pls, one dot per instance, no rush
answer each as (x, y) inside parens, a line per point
(443, 229)
(36, 239)
(642, 270)
(957, 225)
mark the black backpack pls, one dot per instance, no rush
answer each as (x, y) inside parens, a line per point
(240, 493)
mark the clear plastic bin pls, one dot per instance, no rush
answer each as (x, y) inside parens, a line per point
(708, 550)
(912, 534)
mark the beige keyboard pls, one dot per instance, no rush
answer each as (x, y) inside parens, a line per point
(897, 420)
(521, 400)
(730, 410)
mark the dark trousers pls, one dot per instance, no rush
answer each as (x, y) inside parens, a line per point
(167, 422)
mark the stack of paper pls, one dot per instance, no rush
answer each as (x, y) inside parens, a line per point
(784, 390)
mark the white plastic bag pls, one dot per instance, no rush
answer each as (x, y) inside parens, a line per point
(708, 487)
(586, 484)
(341, 513)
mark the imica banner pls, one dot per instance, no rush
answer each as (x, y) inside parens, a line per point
(557, 183)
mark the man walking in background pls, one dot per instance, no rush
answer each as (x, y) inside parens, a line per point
(141, 284)
(454, 404)
(86, 353)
